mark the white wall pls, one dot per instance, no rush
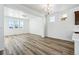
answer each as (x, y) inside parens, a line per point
(1, 27)
(62, 29)
(37, 26)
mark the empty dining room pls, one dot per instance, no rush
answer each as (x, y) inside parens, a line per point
(39, 29)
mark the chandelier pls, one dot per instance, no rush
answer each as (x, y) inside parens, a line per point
(48, 8)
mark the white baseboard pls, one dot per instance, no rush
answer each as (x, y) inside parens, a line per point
(61, 39)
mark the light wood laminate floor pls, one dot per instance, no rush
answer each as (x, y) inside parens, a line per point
(29, 44)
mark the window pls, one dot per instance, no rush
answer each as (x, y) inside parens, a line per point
(15, 23)
(11, 24)
(52, 19)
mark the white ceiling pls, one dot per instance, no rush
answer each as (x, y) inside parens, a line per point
(55, 7)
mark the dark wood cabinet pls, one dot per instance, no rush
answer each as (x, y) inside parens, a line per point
(76, 17)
